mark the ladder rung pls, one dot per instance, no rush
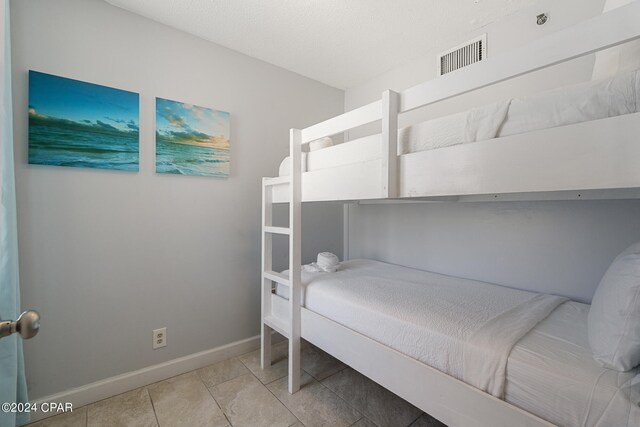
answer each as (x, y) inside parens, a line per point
(281, 278)
(277, 180)
(277, 324)
(277, 230)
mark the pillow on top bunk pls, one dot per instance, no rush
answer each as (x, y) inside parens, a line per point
(618, 59)
(318, 144)
(321, 143)
(614, 317)
(285, 165)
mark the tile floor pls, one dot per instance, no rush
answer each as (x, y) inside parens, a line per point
(236, 392)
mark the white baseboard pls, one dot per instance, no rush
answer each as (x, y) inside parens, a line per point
(109, 387)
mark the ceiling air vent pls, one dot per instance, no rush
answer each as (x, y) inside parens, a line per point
(460, 56)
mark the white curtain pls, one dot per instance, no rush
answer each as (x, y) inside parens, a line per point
(12, 381)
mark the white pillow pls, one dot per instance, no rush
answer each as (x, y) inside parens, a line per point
(619, 59)
(321, 143)
(285, 165)
(614, 317)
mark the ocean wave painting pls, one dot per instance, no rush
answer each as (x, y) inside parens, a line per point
(191, 140)
(79, 124)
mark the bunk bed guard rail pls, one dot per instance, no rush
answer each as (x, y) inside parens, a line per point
(615, 27)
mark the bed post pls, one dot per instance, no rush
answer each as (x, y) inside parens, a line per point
(265, 330)
(390, 108)
(295, 208)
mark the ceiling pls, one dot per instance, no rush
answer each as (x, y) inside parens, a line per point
(338, 42)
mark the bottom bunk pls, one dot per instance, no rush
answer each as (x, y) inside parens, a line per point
(466, 352)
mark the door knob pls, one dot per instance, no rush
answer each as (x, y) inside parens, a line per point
(27, 325)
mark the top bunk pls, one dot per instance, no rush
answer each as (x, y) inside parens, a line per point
(571, 143)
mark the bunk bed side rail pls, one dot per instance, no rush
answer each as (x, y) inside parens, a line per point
(601, 32)
(352, 119)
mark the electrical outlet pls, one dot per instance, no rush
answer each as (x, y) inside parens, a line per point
(159, 338)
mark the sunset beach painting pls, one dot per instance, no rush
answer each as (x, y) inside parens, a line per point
(79, 124)
(191, 140)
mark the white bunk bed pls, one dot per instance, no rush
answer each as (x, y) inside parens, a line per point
(582, 159)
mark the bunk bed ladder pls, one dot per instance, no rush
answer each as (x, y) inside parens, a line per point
(290, 328)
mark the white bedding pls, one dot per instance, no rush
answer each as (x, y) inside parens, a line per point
(580, 103)
(551, 372)
(461, 327)
(440, 319)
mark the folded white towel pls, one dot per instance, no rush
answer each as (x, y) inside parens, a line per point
(315, 268)
(311, 268)
(328, 262)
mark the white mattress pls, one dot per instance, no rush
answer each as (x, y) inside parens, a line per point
(575, 104)
(550, 372)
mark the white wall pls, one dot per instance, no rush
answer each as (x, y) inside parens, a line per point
(557, 247)
(108, 256)
(553, 247)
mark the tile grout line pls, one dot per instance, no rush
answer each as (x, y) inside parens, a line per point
(231, 379)
(364, 415)
(283, 404)
(88, 405)
(218, 404)
(332, 392)
(337, 372)
(152, 406)
(315, 379)
(250, 372)
(347, 402)
(344, 400)
(312, 376)
(265, 386)
(223, 382)
(197, 375)
(411, 423)
(336, 394)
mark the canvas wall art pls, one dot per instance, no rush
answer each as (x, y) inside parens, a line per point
(79, 124)
(191, 140)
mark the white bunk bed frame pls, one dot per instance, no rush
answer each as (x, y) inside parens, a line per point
(597, 159)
